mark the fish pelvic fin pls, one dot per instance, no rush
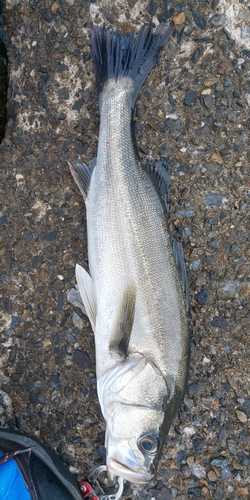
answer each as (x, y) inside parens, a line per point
(117, 56)
(87, 293)
(75, 299)
(123, 322)
(82, 174)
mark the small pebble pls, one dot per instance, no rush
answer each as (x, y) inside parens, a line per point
(232, 446)
(213, 199)
(243, 491)
(27, 236)
(54, 381)
(152, 7)
(181, 457)
(197, 54)
(245, 32)
(225, 473)
(212, 476)
(244, 459)
(203, 132)
(230, 289)
(199, 444)
(190, 98)
(214, 168)
(219, 322)
(199, 20)
(195, 491)
(78, 105)
(186, 232)
(194, 266)
(242, 417)
(184, 213)
(220, 462)
(203, 296)
(198, 471)
(70, 337)
(246, 407)
(222, 435)
(15, 321)
(101, 450)
(174, 492)
(60, 302)
(5, 279)
(81, 359)
(12, 354)
(38, 384)
(218, 20)
(179, 19)
(227, 33)
(225, 67)
(208, 100)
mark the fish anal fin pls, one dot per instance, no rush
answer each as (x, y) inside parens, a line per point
(82, 175)
(123, 322)
(160, 176)
(181, 266)
(87, 293)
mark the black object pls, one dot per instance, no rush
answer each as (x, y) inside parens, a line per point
(44, 473)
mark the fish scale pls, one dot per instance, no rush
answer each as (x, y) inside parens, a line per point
(141, 250)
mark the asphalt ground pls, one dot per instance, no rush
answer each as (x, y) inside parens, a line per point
(192, 110)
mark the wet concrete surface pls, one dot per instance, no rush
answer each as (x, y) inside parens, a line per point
(193, 110)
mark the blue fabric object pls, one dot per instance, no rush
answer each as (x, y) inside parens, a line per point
(12, 484)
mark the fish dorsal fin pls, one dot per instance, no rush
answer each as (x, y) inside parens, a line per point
(87, 292)
(75, 299)
(123, 322)
(181, 266)
(82, 175)
(160, 176)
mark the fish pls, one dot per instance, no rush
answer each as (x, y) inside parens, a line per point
(136, 291)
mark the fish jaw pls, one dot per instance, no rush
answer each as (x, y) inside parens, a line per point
(119, 469)
(121, 461)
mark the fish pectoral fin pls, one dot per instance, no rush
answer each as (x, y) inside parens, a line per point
(123, 323)
(75, 299)
(181, 266)
(87, 293)
(82, 175)
(160, 176)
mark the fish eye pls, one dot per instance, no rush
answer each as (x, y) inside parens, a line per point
(149, 444)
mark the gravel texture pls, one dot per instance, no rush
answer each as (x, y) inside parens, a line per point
(194, 111)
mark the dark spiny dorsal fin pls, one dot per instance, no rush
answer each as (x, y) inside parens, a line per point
(123, 322)
(82, 175)
(160, 175)
(181, 266)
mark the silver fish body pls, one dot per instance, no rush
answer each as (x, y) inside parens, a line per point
(134, 296)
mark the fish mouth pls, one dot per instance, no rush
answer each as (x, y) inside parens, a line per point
(133, 476)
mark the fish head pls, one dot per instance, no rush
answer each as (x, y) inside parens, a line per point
(134, 396)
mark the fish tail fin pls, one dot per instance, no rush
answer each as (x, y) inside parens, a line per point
(117, 56)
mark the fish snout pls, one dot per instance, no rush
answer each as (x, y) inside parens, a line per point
(122, 462)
